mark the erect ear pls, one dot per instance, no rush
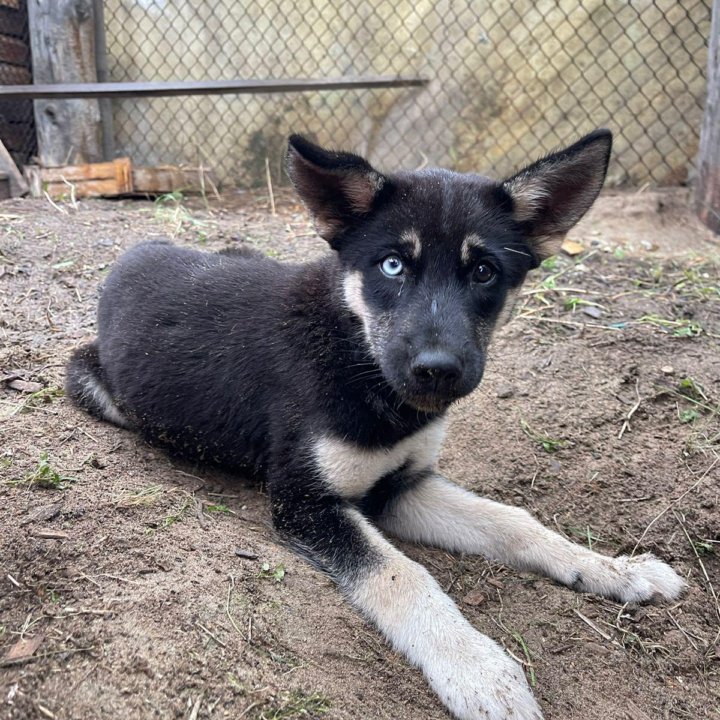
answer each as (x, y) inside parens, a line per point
(551, 195)
(337, 187)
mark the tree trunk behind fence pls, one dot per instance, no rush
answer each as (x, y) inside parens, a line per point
(63, 50)
(707, 193)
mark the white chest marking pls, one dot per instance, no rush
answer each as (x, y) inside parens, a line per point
(351, 470)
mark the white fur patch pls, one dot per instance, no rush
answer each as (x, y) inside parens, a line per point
(101, 398)
(351, 470)
(353, 294)
(472, 675)
(439, 513)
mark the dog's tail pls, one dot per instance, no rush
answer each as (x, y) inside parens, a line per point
(84, 384)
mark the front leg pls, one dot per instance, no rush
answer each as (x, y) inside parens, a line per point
(436, 512)
(471, 674)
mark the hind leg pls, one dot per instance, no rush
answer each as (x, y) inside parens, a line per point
(84, 385)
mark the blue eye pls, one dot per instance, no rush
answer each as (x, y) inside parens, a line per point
(391, 266)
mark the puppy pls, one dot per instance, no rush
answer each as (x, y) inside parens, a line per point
(330, 381)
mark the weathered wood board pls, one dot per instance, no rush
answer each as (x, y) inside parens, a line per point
(63, 50)
(87, 180)
(111, 179)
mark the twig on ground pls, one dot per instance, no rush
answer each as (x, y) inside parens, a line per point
(268, 177)
(673, 503)
(710, 587)
(594, 627)
(633, 410)
(227, 606)
(196, 707)
(210, 634)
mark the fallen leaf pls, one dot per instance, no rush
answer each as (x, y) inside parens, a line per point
(572, 247)
(23, 649)
(474, 598)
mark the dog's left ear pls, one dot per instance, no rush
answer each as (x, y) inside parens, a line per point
(337, 187)
(551, 195)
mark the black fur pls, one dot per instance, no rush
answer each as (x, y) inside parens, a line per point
(243, 361)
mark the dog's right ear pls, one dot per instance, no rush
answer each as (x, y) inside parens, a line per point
(338, 188)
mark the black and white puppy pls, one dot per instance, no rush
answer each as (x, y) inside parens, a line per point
(330, 381)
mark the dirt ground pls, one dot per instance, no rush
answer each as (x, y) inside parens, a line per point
(134, 586)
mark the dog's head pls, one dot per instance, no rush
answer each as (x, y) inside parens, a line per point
(433, 259)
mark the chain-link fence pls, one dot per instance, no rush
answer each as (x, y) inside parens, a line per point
(508, 80)
(17, 122)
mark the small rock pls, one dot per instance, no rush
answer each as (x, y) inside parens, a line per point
(247, 554)
(667, 370)
(592, 311)
(25, 386)
(474, 598)
(505, 391)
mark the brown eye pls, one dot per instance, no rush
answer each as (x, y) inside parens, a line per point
(484, 273)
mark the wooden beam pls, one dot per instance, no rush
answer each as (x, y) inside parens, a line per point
(707, 191)
(111, 179)
(62, 42)
(205, 87)
(18, 186)
(88, 180)
(103, 75)
(165, 179)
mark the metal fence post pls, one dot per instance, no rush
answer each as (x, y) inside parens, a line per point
(707, 192)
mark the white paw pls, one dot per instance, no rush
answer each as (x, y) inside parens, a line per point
(633, 579)
(647, 578)
(480, 682)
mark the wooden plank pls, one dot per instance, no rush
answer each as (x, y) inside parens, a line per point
(166, 179)
(707, 191)
(119, 168)
(103, 75)
(14, 75)
(110, 179)
(13, 51)
(204, 87)
(87, 180)
(18, 186)
(61, 38)
(13, 4)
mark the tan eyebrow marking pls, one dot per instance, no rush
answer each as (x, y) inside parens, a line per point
(472, 241)
(412, 240)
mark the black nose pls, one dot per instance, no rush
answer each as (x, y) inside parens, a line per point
(437, 365)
